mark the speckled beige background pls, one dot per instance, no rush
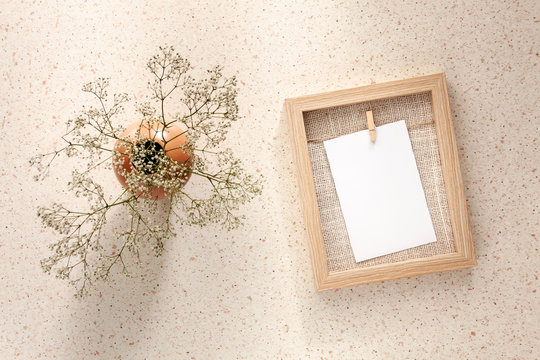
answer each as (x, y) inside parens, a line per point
(248, 294)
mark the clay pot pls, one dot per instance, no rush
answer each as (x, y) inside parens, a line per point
(151, 134)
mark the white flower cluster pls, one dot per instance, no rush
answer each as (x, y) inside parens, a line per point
(211, 104)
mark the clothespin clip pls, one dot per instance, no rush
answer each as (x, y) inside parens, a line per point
(371, 125)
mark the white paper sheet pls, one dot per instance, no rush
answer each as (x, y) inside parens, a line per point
(380, 192)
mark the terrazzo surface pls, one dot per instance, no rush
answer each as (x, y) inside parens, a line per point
(248, 294)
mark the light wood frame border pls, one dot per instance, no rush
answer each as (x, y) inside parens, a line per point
(463, 256)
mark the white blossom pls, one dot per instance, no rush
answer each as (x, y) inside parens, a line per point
(211, 104)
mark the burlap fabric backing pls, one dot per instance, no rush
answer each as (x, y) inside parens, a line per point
(342, 120)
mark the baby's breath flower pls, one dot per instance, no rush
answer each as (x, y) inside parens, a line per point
(79, 256)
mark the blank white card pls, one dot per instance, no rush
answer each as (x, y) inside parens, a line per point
(380, 192)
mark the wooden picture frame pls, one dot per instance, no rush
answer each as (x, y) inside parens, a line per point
(463, 256)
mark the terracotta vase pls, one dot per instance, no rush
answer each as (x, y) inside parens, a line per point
(144, 133)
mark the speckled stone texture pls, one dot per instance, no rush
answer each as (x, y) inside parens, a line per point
(249, 294)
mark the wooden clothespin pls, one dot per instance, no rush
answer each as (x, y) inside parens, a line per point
(371, 125)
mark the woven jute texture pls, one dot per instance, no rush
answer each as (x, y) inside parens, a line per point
(342, 120)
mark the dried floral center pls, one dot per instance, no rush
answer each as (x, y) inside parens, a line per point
(147, 156)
